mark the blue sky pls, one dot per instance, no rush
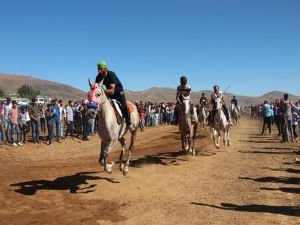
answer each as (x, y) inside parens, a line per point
(252, 45)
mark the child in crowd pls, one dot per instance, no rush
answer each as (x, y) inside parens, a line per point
(23, 123)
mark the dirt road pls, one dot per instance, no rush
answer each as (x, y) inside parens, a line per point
(255, 181)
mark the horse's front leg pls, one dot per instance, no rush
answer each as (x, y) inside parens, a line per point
(216, 136)
(225, 137)
(183, 142)
(106, 149)
(228, 138)
(123, 144)
(194, 137)
(101, 157)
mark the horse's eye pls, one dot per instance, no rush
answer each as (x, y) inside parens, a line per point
(98, 95)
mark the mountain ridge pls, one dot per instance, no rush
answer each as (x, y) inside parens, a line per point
(10, 83)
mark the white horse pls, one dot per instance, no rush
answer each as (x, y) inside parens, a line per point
(220, 123)
(203, 117)
(109, 130)
(187, 128)
(234, 112)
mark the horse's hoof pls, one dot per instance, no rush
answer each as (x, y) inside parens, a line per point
(217, 146)
(101, 162)
(125, 171)
(109, 167)
(108, 170)
(194, 153)
(121, 167)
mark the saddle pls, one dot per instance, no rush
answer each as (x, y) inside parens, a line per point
(117, 109)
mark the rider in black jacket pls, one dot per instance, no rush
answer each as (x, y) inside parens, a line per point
(114, 89)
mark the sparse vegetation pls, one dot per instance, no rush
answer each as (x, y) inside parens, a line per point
(26, 91)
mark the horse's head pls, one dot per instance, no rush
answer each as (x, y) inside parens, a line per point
(185, 104)
(96, 94)
(218, 103)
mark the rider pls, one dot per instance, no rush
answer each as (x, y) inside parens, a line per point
(235, 102)
(218, 94)
(203, 101)
(114, 89)
(183, 90)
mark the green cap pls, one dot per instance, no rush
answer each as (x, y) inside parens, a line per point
(102, 64)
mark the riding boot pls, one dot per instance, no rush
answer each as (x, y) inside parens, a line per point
(126, 114)
(209, 118)
(213, 116)
(227, 115)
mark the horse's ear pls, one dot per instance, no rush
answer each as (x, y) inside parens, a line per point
(101, 83)
(90, 83)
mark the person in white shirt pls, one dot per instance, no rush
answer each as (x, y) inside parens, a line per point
(219, 94)
(69, 119)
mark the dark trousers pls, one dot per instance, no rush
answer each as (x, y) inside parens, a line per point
(86, 127)
(23, 132)
(295, 131)
(35, 129)
(267, 121)
(226, 111)
(277, 120)
(120, 96)
(43, 125)
(70, 128)
(78, 126)
(50, 130)
(56, 122)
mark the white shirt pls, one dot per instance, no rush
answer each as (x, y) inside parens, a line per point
(6, 108)
(214, 95)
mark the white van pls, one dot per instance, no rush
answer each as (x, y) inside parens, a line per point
(40, 100)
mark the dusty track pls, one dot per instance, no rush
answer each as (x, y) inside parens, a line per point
(255, 181)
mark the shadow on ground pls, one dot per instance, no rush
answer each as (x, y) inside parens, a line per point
(166, 159)
(282, 210)
(283, 180)
(71, 183)
(284, 189)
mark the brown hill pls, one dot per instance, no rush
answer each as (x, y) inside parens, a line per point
(10, 84)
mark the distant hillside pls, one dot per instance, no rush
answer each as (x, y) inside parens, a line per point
(10, 84)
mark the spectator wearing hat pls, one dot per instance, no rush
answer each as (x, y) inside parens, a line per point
(13, 115)
(6, 107)
(35, 121)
